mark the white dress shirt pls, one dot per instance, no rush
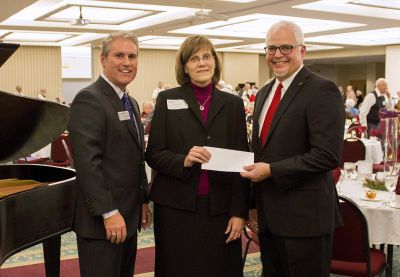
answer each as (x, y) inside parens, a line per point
(368, 102)
(285, 83)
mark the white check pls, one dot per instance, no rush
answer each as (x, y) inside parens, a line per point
(228, 160)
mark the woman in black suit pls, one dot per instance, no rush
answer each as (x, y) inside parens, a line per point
(198, 214)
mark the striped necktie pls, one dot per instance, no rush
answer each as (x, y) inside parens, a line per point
(128, 107)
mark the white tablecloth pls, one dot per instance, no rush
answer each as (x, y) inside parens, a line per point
(383, 221)
(373, 151)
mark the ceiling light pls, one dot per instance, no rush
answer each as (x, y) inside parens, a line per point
(80, 21)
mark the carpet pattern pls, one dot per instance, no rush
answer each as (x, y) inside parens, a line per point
(31, 260)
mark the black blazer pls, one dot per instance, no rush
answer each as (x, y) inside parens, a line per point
(303, 145)
(174, 132)
(109, 160)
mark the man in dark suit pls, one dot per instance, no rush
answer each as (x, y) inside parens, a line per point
(108, 150)
(296, 146)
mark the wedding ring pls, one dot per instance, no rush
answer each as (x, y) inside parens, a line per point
(113, 235)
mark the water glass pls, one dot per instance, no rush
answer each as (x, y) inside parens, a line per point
(349, 170)
(364, 170)
(390, 185)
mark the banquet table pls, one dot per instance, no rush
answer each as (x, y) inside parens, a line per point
(373, 151)
(383, 219)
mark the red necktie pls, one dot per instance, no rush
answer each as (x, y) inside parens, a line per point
(270, 113)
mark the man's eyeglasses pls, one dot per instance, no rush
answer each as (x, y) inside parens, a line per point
(205, 58)
(285, 49)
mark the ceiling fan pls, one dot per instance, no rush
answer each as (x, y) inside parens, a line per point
(207, 14)
(80, 21)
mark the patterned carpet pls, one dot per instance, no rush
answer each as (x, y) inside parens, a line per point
(32, 258)
(144, 265)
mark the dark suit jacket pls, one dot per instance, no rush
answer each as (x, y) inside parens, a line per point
(303, 145)
(174, 132)
(109, 160)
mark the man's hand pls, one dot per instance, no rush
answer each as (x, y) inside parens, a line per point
(197, 154)
(234, 228)
(146, 216)
(115, 228)
(256, 172)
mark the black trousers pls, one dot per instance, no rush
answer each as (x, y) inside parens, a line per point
(101, 258)
(295, 257)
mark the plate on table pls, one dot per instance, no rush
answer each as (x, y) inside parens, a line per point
(376, 199)
(394, 205)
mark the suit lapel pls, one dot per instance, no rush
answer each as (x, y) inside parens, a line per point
(217, 102)
(287, 98)
(261, 98)
(112, 96)
(188, 96)
(136, 111)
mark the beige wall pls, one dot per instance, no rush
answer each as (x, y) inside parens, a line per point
(240, 68)
(263, 73)
(153, 66)
(33, 67)
(36, 67)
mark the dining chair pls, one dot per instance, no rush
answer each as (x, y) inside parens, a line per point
(353, 151)
(351, 252)
(358, 129)
(336, 175)
(250, 231)
(60, 151)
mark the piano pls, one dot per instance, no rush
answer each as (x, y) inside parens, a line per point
(41, 214)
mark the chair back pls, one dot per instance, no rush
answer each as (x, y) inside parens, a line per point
(350, 241)
(353, 151)
(68, 152)
(59, 148)
(357, 129)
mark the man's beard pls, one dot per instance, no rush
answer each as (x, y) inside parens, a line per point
(280, 73)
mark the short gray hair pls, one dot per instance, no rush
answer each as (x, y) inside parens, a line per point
(148, 103)
(105, 45)
(379, 81)
(296, 30)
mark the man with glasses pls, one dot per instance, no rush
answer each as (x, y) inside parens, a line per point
(297, 140)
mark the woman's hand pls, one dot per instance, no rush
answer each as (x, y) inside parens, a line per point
(235, 228)
(197, 154)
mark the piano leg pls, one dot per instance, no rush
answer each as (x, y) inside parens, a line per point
(51, 250)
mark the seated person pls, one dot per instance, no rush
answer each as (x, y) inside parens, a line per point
(350, 108)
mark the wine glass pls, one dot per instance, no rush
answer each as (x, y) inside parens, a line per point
(390, 185)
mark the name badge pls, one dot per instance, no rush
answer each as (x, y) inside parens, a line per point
(177, 104)
(124, 115)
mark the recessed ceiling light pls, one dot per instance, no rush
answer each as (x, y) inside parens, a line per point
(256, 25)
(36, 36)
(173, 42)
(388, 9)
(363, 38)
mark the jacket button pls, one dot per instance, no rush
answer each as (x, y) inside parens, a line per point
(208, 137)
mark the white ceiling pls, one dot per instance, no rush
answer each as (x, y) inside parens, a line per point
(233, 26)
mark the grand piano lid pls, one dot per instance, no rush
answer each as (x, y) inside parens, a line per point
(6, 50)
(27, 124)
